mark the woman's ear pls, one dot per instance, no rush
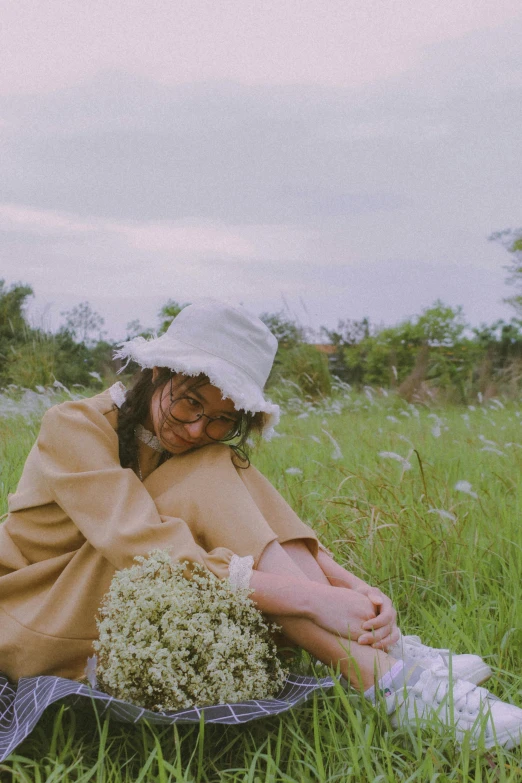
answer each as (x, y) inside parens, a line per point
(155, 372)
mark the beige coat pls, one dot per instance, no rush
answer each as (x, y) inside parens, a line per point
(77, 516)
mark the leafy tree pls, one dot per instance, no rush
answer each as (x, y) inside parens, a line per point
(84, 324)
(511, 239)
(295, 360)
(12, 316)
(505, 335)
(288, 332)
(389, 355)
(13, 325)
(135, 329)
(30, 357)
(440, 324)
(306, 367)
(348, 332)
(43, 358)
(168, 312)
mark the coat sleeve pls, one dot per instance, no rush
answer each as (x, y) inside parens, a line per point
(78, 451)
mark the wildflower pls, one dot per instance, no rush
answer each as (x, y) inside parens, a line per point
(493, 450)
(443, 514)
(486, 441)
(59, 385)
(315, 438)
(167, 642)
(397, 457)
(337, 453)
(435, 431)
(393, 418)
(294, 471)
(406, 440)
(465, 486)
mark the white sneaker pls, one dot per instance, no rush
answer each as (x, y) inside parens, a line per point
(463, 667)
(460, 704)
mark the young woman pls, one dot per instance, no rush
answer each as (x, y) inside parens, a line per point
(123, 473)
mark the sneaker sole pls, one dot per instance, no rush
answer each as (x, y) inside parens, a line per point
(505, 739)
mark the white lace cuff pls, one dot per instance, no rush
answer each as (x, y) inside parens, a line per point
(90, 671)
(118, 392)
(239, 572)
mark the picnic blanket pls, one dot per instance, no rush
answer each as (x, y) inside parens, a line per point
(22, 705)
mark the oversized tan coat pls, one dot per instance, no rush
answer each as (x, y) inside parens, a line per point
(77, 516)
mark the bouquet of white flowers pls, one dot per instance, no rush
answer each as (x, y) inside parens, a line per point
(167, 642)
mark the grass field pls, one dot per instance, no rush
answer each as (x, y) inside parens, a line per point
(423, 502)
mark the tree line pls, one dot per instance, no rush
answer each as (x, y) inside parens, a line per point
(435, 355)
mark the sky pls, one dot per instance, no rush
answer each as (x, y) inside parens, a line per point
(332, 159)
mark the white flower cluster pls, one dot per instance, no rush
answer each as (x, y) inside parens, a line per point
(167, 642)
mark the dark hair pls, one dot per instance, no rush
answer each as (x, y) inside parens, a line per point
(136, 408)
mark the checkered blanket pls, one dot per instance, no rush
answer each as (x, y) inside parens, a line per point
(22, 705)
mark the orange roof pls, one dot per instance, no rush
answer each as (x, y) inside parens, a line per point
(325, 347)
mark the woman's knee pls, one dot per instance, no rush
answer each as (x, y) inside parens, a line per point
(275, 560)
(300, 553)
(199, 468)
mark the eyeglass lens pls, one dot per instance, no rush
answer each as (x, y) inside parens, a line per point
(188, 410)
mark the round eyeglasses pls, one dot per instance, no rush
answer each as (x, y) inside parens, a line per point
(188, 410)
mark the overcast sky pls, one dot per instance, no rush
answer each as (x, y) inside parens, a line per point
(341, 158)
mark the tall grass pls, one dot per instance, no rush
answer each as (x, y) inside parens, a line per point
(450, 558)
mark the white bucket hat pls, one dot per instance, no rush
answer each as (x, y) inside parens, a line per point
(233, 348)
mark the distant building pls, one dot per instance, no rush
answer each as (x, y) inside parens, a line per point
(326, 348)
(335, 361)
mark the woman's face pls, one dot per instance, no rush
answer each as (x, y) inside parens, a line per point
(175, 436)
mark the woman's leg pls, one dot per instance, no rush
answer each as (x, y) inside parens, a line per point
(241, 511)
(360, 664)
(304, 559)
(466, 667)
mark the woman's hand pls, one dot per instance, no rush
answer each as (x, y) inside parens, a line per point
(381, 630)
(342, 611)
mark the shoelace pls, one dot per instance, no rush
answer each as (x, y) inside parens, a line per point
(434, 685)
(420, 650)
(413, 652)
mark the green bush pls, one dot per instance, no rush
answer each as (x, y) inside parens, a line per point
(305, 366)
(31, 363)
(43, 358)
